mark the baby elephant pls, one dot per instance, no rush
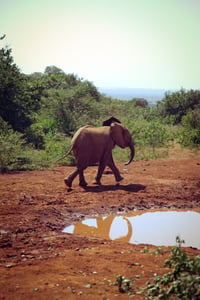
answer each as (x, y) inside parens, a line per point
(92, 145)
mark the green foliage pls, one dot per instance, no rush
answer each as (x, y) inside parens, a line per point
(189, 137)
(183, 108)
(139, 102)
(67, 110)
(11, 82)
(51, 106)
(149, 136)
(124, 284)
(189, 133)
(53, 70)
(154, 134)
(18, 96)
(177, 104)
(56, 145)
(11, 148)
(182, 283)
(192, 119)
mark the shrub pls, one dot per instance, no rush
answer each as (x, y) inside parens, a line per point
(56, 146)
(182, 283)
(11, 148)
(177, 104)
(150, 138)
(189, 132)
(188, 137)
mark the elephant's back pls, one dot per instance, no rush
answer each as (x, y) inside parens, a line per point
(80, 133)
(90, 143)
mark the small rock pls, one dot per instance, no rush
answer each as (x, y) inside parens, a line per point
(9, 266)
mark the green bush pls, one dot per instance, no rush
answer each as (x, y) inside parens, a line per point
(48, 107)
(189, 137)
(11, 148)
(154, 135)
(151, 138)
(182, 283)
(189, 131)
(15, 155)
(192, 119)
(56, 146)
(177, 104)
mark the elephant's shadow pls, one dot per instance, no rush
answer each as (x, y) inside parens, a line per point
(102, 188)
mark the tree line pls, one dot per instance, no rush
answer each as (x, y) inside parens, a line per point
(40, 112)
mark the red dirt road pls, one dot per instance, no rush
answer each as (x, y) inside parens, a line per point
(38, 261)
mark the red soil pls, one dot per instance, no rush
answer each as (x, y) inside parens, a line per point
(38, 261)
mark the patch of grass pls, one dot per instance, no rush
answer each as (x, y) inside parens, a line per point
(141, 153)
(183, 282)
(124, 284)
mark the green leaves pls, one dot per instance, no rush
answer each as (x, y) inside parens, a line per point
(53, 103)
(123, 283)
(179, 103)
(189, 133)
(13, 100)
(11, 147)
(182, 283)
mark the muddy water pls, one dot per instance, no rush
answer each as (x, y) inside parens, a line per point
(159, 228)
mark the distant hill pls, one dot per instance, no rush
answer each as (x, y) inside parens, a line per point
(151, 95)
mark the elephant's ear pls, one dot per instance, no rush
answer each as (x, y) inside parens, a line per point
(117, 134)
(109, 121)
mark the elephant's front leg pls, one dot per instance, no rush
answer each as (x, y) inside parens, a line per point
(101, 168)
(115, 170)
(82, 181)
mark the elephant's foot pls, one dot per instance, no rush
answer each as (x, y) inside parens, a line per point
(68, 182)
(83, 183)
(120, 178)
(98, 182)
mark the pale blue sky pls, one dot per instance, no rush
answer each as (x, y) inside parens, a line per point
(113, 43)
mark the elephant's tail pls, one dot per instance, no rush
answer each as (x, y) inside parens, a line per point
(63, 156)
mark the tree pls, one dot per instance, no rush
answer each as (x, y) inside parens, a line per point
(11, 147)
(13, 104)
(177, 104)
(139, 102)
(53, 70)
(68, 109)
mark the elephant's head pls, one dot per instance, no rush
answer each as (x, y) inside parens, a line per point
(122, 138)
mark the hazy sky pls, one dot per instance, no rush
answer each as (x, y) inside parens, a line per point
(113, 43)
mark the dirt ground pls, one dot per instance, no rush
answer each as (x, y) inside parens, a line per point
(38, 261)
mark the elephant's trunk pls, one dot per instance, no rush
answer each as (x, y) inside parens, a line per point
(132, 154)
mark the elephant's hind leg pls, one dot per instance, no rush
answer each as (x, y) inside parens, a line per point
(68, 180)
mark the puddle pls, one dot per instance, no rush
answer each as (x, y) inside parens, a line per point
(158, 228)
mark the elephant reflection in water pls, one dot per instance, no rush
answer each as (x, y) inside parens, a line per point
(103, 228)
